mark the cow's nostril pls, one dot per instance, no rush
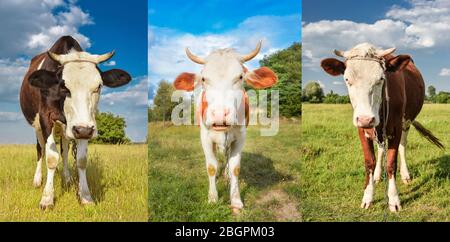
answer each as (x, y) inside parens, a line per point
(81, 132)
(226, 111)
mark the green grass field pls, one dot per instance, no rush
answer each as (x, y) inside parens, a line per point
(269, 179)
(333, 169)
(117, 177)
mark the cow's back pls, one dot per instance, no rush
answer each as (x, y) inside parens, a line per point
(30, 96)
(414, 90)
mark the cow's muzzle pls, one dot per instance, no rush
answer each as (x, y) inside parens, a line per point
(365, 121)
(220, 117)
(82, 132)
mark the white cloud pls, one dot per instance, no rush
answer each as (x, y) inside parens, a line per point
(167, 57)
(425, 25)
(135, 95)
(29, 27)
(110, 63)
(337, 83)
(445, 72)
(11, 75)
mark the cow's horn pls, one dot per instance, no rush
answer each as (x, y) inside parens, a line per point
(252, 54)
(194, 58)
(339, 53)
(383, 53)
(105, 57)
(54, 56)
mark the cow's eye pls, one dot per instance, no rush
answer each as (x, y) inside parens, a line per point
(348, 81)
(65, 90)
(203, 79)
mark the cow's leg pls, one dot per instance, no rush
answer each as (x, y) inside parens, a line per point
(391, 167)
(40, 148)
(234, 166)
(378, 167)
(211, 166)
(402, 150)
(83, 188)
(369, 161)
(52, 158)
(65, 158)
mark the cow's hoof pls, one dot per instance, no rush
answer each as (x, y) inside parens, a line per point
(213, 198)
(366, 205)
(394, 205)
(86, 201)
(46, 203)
(236, 211)
(37, 183)
(237, 204)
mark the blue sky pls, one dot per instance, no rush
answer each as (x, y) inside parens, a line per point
(207, 25)
(420, 28)
(99, 28)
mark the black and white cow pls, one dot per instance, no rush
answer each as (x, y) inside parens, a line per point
(59, 96)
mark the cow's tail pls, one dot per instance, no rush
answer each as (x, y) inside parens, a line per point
(424, 132)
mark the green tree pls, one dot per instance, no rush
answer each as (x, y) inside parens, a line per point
(442, 97)
(288, 67)
(162, 104)
(111, 129)
(431, 91)
(335, 98)
(313, 92)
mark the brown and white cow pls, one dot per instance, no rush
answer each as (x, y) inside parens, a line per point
(223, 110)
(368, 71)
(59, 96)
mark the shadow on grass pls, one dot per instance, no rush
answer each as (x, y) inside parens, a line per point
(258, 171)
(94, 173)
(95, 176)
(442, 173)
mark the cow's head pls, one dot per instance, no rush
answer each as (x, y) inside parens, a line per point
(78, 83)
(222, 79)
(364, 71)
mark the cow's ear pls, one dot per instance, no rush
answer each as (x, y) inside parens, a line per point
(397, 63)
(115, 78)
(261, 78)
(43, 79)
(333, 66)
(185, 81)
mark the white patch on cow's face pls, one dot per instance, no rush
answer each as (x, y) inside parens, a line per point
(84, 81)
(364, 80)
(222, 81)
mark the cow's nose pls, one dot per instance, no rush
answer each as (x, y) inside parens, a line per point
(365, 121)
(220, 115)
(82, 132)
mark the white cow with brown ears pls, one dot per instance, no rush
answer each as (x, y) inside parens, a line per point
(223, 110)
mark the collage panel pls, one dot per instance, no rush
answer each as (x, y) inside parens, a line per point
(73, 104)
(224, 115)
(241, 115)
(375, 111)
